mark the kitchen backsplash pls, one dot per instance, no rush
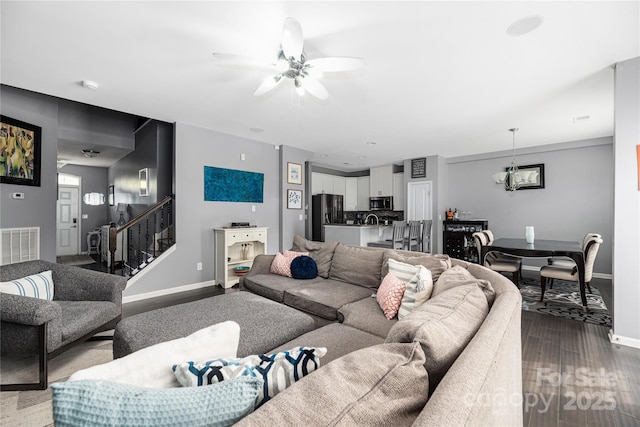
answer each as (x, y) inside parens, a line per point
(358, 216)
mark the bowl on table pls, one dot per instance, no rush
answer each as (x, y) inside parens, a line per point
(241, 270)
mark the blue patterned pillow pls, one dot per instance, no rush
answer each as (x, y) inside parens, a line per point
(277, 370)
(104, 403)
(304, 267)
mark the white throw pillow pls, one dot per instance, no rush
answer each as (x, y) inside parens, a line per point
(419, 285)
(35, 286)
(151, 366)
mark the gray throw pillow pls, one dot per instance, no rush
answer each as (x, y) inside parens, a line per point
(321, 252)
(459, 276)
(444, 326)
(436, 264)
(358, 265)
(382, 385)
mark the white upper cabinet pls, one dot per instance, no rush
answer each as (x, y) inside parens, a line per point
(351, 194)
(363, 193)
(316, 183)
(381, 183)
(339, 185)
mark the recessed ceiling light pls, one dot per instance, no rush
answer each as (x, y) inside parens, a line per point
(256, 130)
(579, 119)
(90, 153)
(362, 157)
(371, 143)
(525, 25)
(324, 155)
(90, 84)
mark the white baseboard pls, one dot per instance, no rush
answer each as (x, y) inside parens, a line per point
(626, 341)
(169, 291)
(596, 275)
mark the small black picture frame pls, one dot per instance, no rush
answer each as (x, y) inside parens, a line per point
(20, 147)
(532, 175)
(419, 168)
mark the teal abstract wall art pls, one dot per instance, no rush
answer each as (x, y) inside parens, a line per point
(230, 185)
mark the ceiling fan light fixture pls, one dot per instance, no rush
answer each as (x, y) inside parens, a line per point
(90, 154)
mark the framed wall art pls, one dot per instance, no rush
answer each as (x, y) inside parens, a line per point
(294, 173)
(419, 168)
(230, 185)
(20, 148)
(294, 199)
(532, 176)
(143, 177)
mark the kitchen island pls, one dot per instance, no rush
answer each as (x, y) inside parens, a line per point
(356, 235)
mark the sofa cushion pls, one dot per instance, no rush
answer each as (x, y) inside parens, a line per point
(304, 268)
(151, 366)
(337, 338)
(459, 276)
(323, 298)
(389, 295)
(444, 325)
(436, 264)
(419, 285)
(321, 252)
(383, 385)
(273, 286)
(277, 370)
(35, 286)
(366, 315)
(281, 263)
(358, 265)
(104, 403)
(78, 318)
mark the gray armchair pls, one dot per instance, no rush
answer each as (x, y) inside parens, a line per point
(85, 302)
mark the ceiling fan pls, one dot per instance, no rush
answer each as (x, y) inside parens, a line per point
(293, 64)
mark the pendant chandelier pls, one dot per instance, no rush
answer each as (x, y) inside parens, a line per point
(511, 178)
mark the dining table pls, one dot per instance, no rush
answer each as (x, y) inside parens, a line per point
(542, 248)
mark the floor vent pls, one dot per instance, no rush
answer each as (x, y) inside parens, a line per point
(19, 244)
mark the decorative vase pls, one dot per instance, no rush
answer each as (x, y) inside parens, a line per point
(529, 234)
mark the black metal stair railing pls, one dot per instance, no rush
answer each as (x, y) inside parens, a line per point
(142, 239)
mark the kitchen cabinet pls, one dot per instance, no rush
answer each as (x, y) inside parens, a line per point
(363, 193)
(316, 183)
(381, 183)
(327, 184)
(398, 191)
(236, 247)
(351, 194)
(339, 183)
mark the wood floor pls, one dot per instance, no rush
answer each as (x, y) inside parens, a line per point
(572, 374)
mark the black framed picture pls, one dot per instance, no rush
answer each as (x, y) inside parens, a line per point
(531, 177)
(20, 148)
(419, 168)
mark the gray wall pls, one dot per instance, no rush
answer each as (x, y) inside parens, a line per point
(577, 198)
(290, 222)
(626, 271)
(94, 179)
(38, 209)
(196, 218)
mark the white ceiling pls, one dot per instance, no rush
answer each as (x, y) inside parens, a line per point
(440, 77)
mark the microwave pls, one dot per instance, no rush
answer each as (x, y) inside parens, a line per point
(381, 203)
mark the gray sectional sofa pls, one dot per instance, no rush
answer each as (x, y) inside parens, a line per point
(467, 337)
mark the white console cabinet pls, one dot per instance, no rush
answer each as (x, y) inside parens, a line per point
(236, 247)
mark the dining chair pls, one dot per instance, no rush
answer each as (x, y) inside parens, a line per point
(571, 273)
(411, 239)
(425, 239)
(568, 263)
(497, 261)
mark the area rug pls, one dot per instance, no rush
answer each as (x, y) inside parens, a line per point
(563, 300)
(75, 260)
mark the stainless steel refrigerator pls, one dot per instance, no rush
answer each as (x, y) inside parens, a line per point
(325, 209)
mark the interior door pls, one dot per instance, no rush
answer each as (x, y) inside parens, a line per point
(419, 200)
(67, 221)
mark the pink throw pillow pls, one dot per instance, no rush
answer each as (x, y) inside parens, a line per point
(281, 264)
(389, 295)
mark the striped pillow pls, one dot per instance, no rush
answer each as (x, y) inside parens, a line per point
(35, 286)
(419, 285)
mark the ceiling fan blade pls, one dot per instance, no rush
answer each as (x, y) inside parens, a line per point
(315, 88)
(292, 41)
(238, 61)
(268, 84)
(334, 64)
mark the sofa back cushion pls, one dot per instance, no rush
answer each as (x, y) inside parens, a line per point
(321, 252)
(382, 385)
(436, 264)
(459, 276)
(443, 326)
(357, 265)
